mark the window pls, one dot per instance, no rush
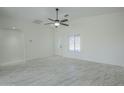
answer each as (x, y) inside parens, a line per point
(74, 43)
(71, 43)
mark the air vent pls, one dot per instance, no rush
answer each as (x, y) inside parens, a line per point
(37, 21)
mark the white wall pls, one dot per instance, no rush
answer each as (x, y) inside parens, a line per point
(102, 38)
(39, 42)
(11, 46)
(15, 46)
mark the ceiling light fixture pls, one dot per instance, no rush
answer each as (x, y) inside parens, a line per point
(13, 27)
(57, 24)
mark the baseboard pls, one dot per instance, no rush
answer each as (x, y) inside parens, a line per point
(21, 61)
(95, 61)
(12, 63)
(33, 58)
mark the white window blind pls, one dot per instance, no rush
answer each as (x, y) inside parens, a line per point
(71, 43)
(74, 43)
(77, 43)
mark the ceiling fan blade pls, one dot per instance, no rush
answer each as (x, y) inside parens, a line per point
(64, 24)
(48, 23)
(51, 19)
(64, 20)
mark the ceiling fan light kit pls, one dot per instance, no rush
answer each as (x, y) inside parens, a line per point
(57, 22)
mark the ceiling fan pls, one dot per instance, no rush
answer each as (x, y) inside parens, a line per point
(57, 22)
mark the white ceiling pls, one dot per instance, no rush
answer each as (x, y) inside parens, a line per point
(42, 13)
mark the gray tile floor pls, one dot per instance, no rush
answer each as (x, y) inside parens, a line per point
(60, 71)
